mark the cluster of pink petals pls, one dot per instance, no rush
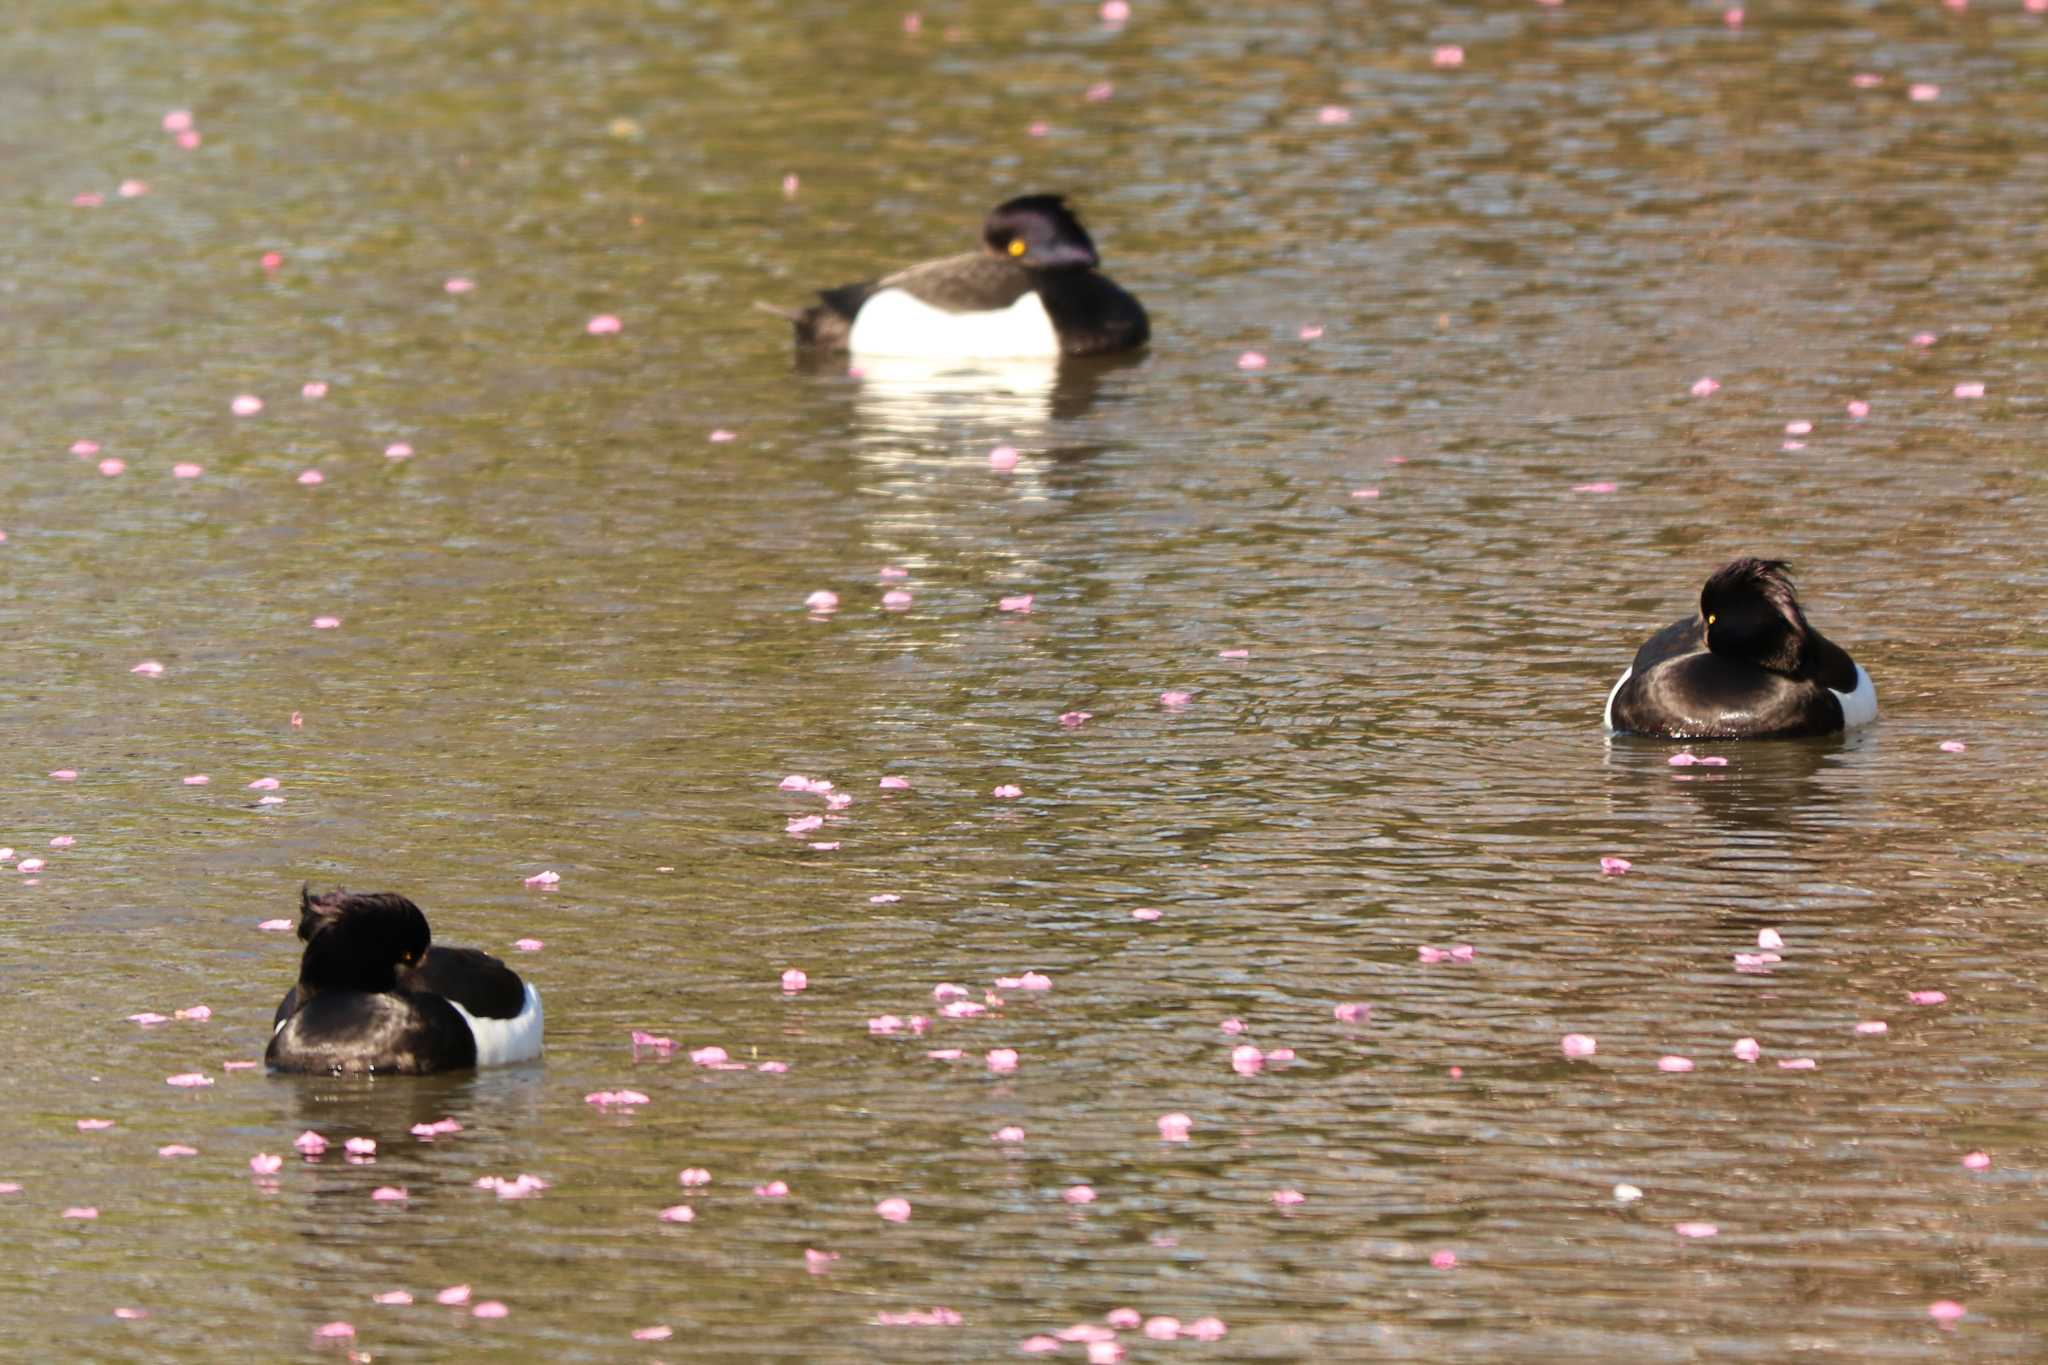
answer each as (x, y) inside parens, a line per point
(1457, 952)
(1029, 981)
(615, 1099)
(521, 1186)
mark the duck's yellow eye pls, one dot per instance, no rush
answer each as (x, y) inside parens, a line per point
(1711, 620)
(1017, 247)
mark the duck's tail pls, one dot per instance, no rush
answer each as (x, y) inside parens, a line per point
(821, 327)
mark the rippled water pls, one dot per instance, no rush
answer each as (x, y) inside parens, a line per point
(573, 638)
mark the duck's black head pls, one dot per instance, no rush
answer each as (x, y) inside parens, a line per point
(359, 942)
(1039, 231)
(1751, 613)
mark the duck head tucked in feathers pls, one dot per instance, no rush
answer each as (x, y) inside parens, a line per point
(1039, 232)
(357, 942)
(1751, 613)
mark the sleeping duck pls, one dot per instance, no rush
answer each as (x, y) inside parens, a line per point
(1747, 666)
(374, 995)
(1032, 290)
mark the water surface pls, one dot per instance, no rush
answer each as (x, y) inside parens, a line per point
(573, 638)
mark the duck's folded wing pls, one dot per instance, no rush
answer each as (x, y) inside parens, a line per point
(970, 283)
(473, 979)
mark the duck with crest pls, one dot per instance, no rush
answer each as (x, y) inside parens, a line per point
(376, 995)
(1747, 665)
(1032, 290)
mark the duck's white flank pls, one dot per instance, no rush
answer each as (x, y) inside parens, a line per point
(1858, 707)
(501, 1041)
(1607, 718)
(894, 323)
